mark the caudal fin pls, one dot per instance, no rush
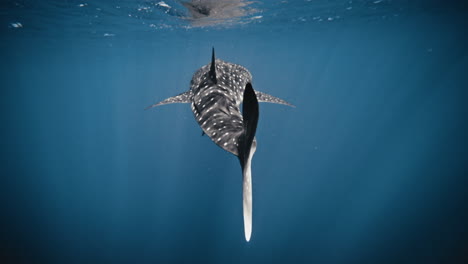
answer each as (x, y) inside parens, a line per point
(247, 201)
(247, 148)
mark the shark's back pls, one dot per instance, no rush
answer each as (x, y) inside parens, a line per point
(216, 102)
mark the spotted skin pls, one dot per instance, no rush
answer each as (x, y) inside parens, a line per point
(216, 93)
(216, 105)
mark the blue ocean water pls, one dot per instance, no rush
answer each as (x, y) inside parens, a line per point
(370, 167)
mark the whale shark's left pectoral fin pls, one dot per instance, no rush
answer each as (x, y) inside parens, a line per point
(266, 98)
(181, 98)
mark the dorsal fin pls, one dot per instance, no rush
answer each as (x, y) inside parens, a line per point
(213, 68)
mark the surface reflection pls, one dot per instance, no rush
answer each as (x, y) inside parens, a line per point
(212, 12)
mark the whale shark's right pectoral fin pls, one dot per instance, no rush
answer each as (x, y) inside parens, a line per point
(266, 98)
(181, 98)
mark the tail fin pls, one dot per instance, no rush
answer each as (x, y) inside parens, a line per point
(247, 198)
(250, 114)
(246, 150)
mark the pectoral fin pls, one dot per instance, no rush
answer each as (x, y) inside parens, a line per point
(181, 98)
(266, 98)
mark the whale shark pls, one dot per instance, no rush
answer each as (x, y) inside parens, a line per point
(216, 93)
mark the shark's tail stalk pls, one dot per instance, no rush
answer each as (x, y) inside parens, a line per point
(247, 148)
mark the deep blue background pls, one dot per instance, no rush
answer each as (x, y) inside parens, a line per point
(371, 167)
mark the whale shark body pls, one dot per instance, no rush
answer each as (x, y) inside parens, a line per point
(216, 93)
